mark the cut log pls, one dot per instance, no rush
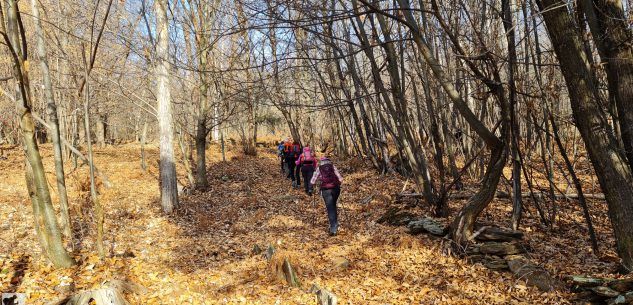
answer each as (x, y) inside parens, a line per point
(498, 248)
(531, 273)
(324, 296)
(626, 298)
(622, 285)
(395, 217)
(605, 291)
(499, 234)
(426, 224)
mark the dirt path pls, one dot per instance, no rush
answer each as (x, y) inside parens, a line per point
(203, 254)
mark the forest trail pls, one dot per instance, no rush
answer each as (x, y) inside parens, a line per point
(203, 253)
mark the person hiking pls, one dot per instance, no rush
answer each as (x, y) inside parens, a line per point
(280, 154)
(307, 163)
(296, 172)
(292, 152)
(331, 181)
(287, 156)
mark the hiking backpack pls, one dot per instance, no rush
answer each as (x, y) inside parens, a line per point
(307, 157)
(328, 176)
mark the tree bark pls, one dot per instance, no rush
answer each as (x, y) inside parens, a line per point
(168, 185)
(44, 215)
(609, 163)
(53, 123)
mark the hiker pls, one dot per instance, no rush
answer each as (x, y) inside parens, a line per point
(307, 164)
(280, 154)
(331, 181)
(296, 148)
(287, 156)
(291, 152)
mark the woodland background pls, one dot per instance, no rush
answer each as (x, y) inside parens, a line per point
(481, 114)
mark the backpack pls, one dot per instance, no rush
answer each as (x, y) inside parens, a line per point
(307, 157)
(328, 176)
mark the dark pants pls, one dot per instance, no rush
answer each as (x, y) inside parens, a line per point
(298, 175)
(330, 196)
(307, 171)
(281, 160)
(291, 168)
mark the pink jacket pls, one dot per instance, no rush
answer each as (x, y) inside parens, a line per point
(300, 160)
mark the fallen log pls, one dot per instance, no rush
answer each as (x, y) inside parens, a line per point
(498, 234)
(498, 248)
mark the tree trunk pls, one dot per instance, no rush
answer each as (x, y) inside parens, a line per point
(168, 185)
(44, 215)
(613, 37)
(609, 163)
(93, 188)
(54, 124)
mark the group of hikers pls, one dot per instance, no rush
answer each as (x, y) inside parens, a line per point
(297, 161)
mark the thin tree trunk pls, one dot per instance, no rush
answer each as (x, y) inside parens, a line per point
(93, 187)
(54, 124)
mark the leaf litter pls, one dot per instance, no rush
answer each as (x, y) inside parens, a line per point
(211, 250)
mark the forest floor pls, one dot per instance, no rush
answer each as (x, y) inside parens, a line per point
(203, 253)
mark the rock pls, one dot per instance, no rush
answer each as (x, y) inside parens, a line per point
(501, 248)
(622, 285)
(499, 234)
(341, 263)
(324, 296)
(289, 274)
(269, 253)
(257, 250)
(426, 224)
(585, 281)
(621, 299)
(533, 275)
(605, 291)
